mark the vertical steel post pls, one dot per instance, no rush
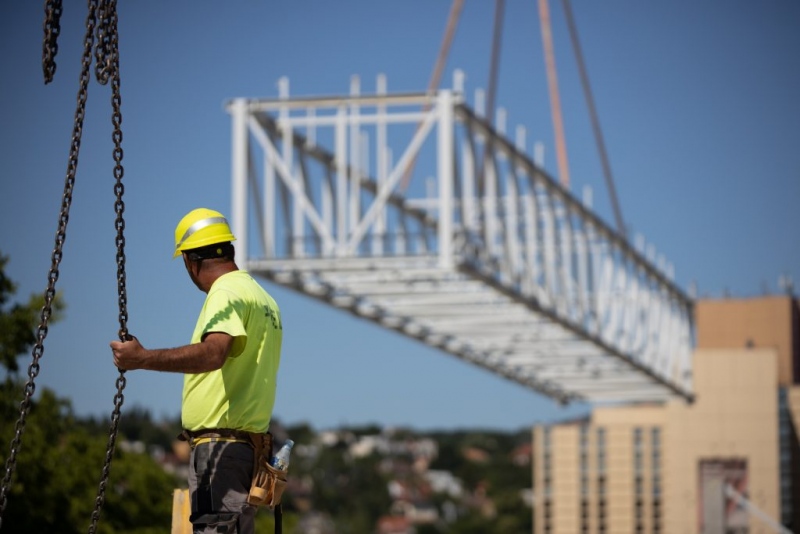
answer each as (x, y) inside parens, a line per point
(270, 207)
(381, 164)
(239, 151)
(340, 143)
(355, 155)
(445, 171)
(296, 244)
(469, 217)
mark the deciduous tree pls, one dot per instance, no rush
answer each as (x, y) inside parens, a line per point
(59, 460)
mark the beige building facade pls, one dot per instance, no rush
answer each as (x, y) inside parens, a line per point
(770, 321)
(727, 463)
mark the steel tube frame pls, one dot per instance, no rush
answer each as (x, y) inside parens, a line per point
(518, 246)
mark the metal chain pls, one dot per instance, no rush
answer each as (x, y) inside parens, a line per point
(52, 27)
(61, 234)
(107, 66)
(103, 18)
(102, 47)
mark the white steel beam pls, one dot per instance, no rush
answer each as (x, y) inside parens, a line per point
(499, 266)
(239, 151)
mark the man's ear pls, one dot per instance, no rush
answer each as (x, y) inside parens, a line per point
(189, 264)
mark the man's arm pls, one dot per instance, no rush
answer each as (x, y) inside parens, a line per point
(208, 355)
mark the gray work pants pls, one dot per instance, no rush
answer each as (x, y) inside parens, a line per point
(220, 474)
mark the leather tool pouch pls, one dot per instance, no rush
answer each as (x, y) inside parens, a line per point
(268, 482)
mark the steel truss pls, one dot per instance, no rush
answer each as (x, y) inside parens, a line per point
(497, 264)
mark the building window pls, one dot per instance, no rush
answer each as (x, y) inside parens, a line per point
(638, 482)
(583, 451)
(548, 464)
(601, 480)
(548, 525)
(583, 447)
(601, 450)
(722, 483)
(655, 480)
(786, 446)
(638, 446)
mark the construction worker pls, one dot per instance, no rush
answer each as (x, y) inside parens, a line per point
(230, 370)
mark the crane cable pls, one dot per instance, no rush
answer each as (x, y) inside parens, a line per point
(102, 20)
(491, 94)
(555, 100)
(598, 133)
(436, 76)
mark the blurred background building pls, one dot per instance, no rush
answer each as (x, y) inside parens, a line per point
(727, 463)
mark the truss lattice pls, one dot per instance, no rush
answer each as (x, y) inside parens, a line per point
(496, 264)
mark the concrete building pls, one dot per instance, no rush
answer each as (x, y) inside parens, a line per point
(727, 463)
(771, 321)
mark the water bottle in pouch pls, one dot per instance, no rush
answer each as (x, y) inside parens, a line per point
(281, 459)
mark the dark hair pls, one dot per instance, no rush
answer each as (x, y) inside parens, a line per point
(217, 250)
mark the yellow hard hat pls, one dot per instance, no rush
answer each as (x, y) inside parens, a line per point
(201, 227)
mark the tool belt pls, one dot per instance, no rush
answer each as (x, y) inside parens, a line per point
(268, 482)
(211, 435)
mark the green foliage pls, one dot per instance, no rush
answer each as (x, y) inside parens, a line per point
(138, 425)
(265, 521)
(18, 322)
(58, 470)
(302, 433)
(58, 462)
(139, 495)
(352, 490)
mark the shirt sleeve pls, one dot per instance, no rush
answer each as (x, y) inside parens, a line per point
(225, 314)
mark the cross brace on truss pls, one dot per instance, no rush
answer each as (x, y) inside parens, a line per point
(510, 273)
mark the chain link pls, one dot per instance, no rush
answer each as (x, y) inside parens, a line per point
(52, 277)
(102, 48)
(102, 17)
(52, 28)
(107, 55)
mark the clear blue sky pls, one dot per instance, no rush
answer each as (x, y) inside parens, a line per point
(699, 106)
